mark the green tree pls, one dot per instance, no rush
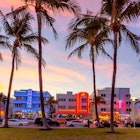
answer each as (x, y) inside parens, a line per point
(92, 33)
(51, 102)
(3, 99)
(42, 9)
(120, 12)
(17, 27)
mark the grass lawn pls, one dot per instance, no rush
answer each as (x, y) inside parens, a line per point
(68, 134)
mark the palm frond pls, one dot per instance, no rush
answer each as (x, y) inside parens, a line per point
(48, 20)
(34, 52)
(1, 58)
(78, 50)
(131, 12)
(132, 38)
(6, 25)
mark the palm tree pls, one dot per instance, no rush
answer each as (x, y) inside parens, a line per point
(2, 99)
(91, 32)
(50, 102)
(99, 100)
(42, 8)
(4, 43)
(120, 12)
(17, 26)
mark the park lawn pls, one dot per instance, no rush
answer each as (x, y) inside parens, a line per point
(68, 134)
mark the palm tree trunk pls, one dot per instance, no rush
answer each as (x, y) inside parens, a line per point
(0, 109)
(94, 87)
(9, 92)
(45, 124)
(113, 83)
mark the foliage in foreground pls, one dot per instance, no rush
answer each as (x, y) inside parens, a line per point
(68, 134)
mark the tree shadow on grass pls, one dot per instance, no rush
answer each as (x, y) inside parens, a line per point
(46, 129)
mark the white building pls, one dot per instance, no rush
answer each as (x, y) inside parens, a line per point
(122, 101)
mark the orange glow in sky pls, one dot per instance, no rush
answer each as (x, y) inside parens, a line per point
(61, 74)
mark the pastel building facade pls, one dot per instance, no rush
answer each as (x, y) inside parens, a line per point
(27, 103)
(122, 101)
(72, 104)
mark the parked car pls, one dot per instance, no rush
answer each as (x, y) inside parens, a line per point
(30, 120)
(107, 124)
(131, 124)
(39, 122)
(16, 122)
(76, 123)
(61, 120)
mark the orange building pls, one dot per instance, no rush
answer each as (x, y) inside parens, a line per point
(73, 105)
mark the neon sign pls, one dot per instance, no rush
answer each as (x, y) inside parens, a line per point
(29, 99)
(79, 97)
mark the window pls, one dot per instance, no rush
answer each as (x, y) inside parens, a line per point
(84, 107)
(18, 105)
(128, 110)
(128, 103)
(103, 95)
(19, 98)
(62, 99)
(72, 107)
(72, 100)
(61, 107)
(128, 95)
(84, 100)
(103, 109)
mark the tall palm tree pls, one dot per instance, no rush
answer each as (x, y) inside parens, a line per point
(91, 32)
(4, 43)
(42, 9)
(17, 26)
(50, 102)
(2, 100)
(120, 12)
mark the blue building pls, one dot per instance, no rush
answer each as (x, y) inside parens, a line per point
(27, 103)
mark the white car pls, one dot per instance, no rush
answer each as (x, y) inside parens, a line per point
(76, 123)
(30, 120)
(16, 122)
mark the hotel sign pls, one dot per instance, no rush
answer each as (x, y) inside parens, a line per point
(29, 99)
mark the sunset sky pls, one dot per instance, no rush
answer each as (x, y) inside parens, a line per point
(61, 74)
